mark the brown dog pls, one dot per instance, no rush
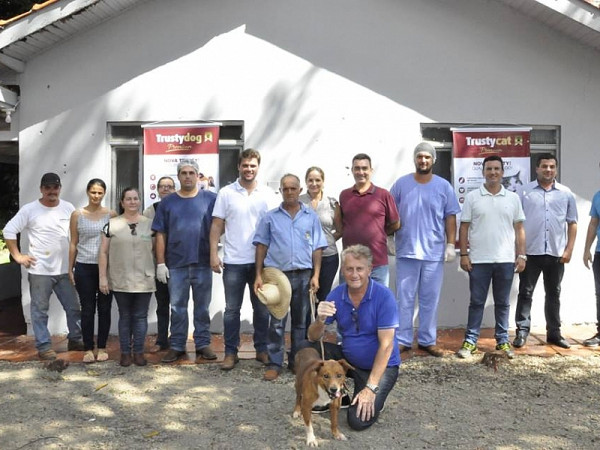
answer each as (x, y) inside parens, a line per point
(320, 383)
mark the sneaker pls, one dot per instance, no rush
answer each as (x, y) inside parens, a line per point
(47, 355)
(594, 341)
(466, 350)
(320, 409)
(75, 346)
(505, 347)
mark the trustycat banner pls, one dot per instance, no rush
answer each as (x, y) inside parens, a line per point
(166, 144)
(472, 145)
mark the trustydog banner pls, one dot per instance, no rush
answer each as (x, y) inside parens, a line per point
(167, 144)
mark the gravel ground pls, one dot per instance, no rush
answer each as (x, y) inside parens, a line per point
(530, 402)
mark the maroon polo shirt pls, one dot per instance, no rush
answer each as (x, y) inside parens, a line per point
(365, 217)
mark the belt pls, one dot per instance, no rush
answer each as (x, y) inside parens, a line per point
(296, 270)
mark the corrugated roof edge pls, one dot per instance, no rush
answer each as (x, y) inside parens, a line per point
(34, 8)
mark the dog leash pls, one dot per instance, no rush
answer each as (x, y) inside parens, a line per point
(313, 302)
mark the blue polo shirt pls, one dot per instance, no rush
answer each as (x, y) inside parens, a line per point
(290, 242)
(358, 327)
(595, 213)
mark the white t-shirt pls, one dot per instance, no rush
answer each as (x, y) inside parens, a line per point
(491, 230)
(47, 229)
(241, 213)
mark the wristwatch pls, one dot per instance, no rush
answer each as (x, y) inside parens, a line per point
(523, 257)
(373, 387)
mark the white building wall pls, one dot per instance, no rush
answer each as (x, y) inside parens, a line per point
(316, 82)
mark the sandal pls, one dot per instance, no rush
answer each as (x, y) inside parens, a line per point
(102, 355)
(89, 357)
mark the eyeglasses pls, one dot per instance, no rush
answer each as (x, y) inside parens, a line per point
(355, 319)
(166, 186)
(132, 227)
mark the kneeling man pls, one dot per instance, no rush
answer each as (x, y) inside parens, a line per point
(367, 318)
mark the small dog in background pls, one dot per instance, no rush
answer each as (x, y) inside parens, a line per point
(319, 383)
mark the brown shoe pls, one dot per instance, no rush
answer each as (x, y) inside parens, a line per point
(229, 362)
(172, 356)
(404, 348)
(139, 360)
(263, 357)
(47, 355)
(125, 359)
(433, 350)
(271, 374)
(205, 353)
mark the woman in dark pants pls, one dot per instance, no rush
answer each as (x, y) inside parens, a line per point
(86, 228)
(127, 267)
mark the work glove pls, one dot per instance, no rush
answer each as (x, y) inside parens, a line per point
(450, 254)
(162, 273)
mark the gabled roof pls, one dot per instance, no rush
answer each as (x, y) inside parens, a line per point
(31, 33)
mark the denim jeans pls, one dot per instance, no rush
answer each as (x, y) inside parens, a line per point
(553, 270)
(381, 274)
(90, 297)
(133, 320)
(163, 309)
(199, 278)
(299, 305)
(235, 279)
(501, 276)
(422, 279)
(40, 289)
(360, 376)
(596, 270)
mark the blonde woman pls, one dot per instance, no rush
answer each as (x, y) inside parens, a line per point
(328, 210)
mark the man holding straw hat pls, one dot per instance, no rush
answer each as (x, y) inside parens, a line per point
(289, 241)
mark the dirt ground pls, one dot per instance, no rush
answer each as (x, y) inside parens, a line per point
(530, 402)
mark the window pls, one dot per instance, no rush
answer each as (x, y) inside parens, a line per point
(126, 141)
(544, 139)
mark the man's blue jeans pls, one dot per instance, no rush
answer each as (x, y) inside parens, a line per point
(500, 275)
(199, 278)
(235, 279)
(299, 305)
(90, 297)
(40, 289)
(133, 320)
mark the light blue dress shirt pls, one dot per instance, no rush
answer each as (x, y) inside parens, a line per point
(290, 242)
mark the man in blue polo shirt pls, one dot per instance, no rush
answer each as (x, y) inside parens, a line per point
(289, 238)
(367, 318)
